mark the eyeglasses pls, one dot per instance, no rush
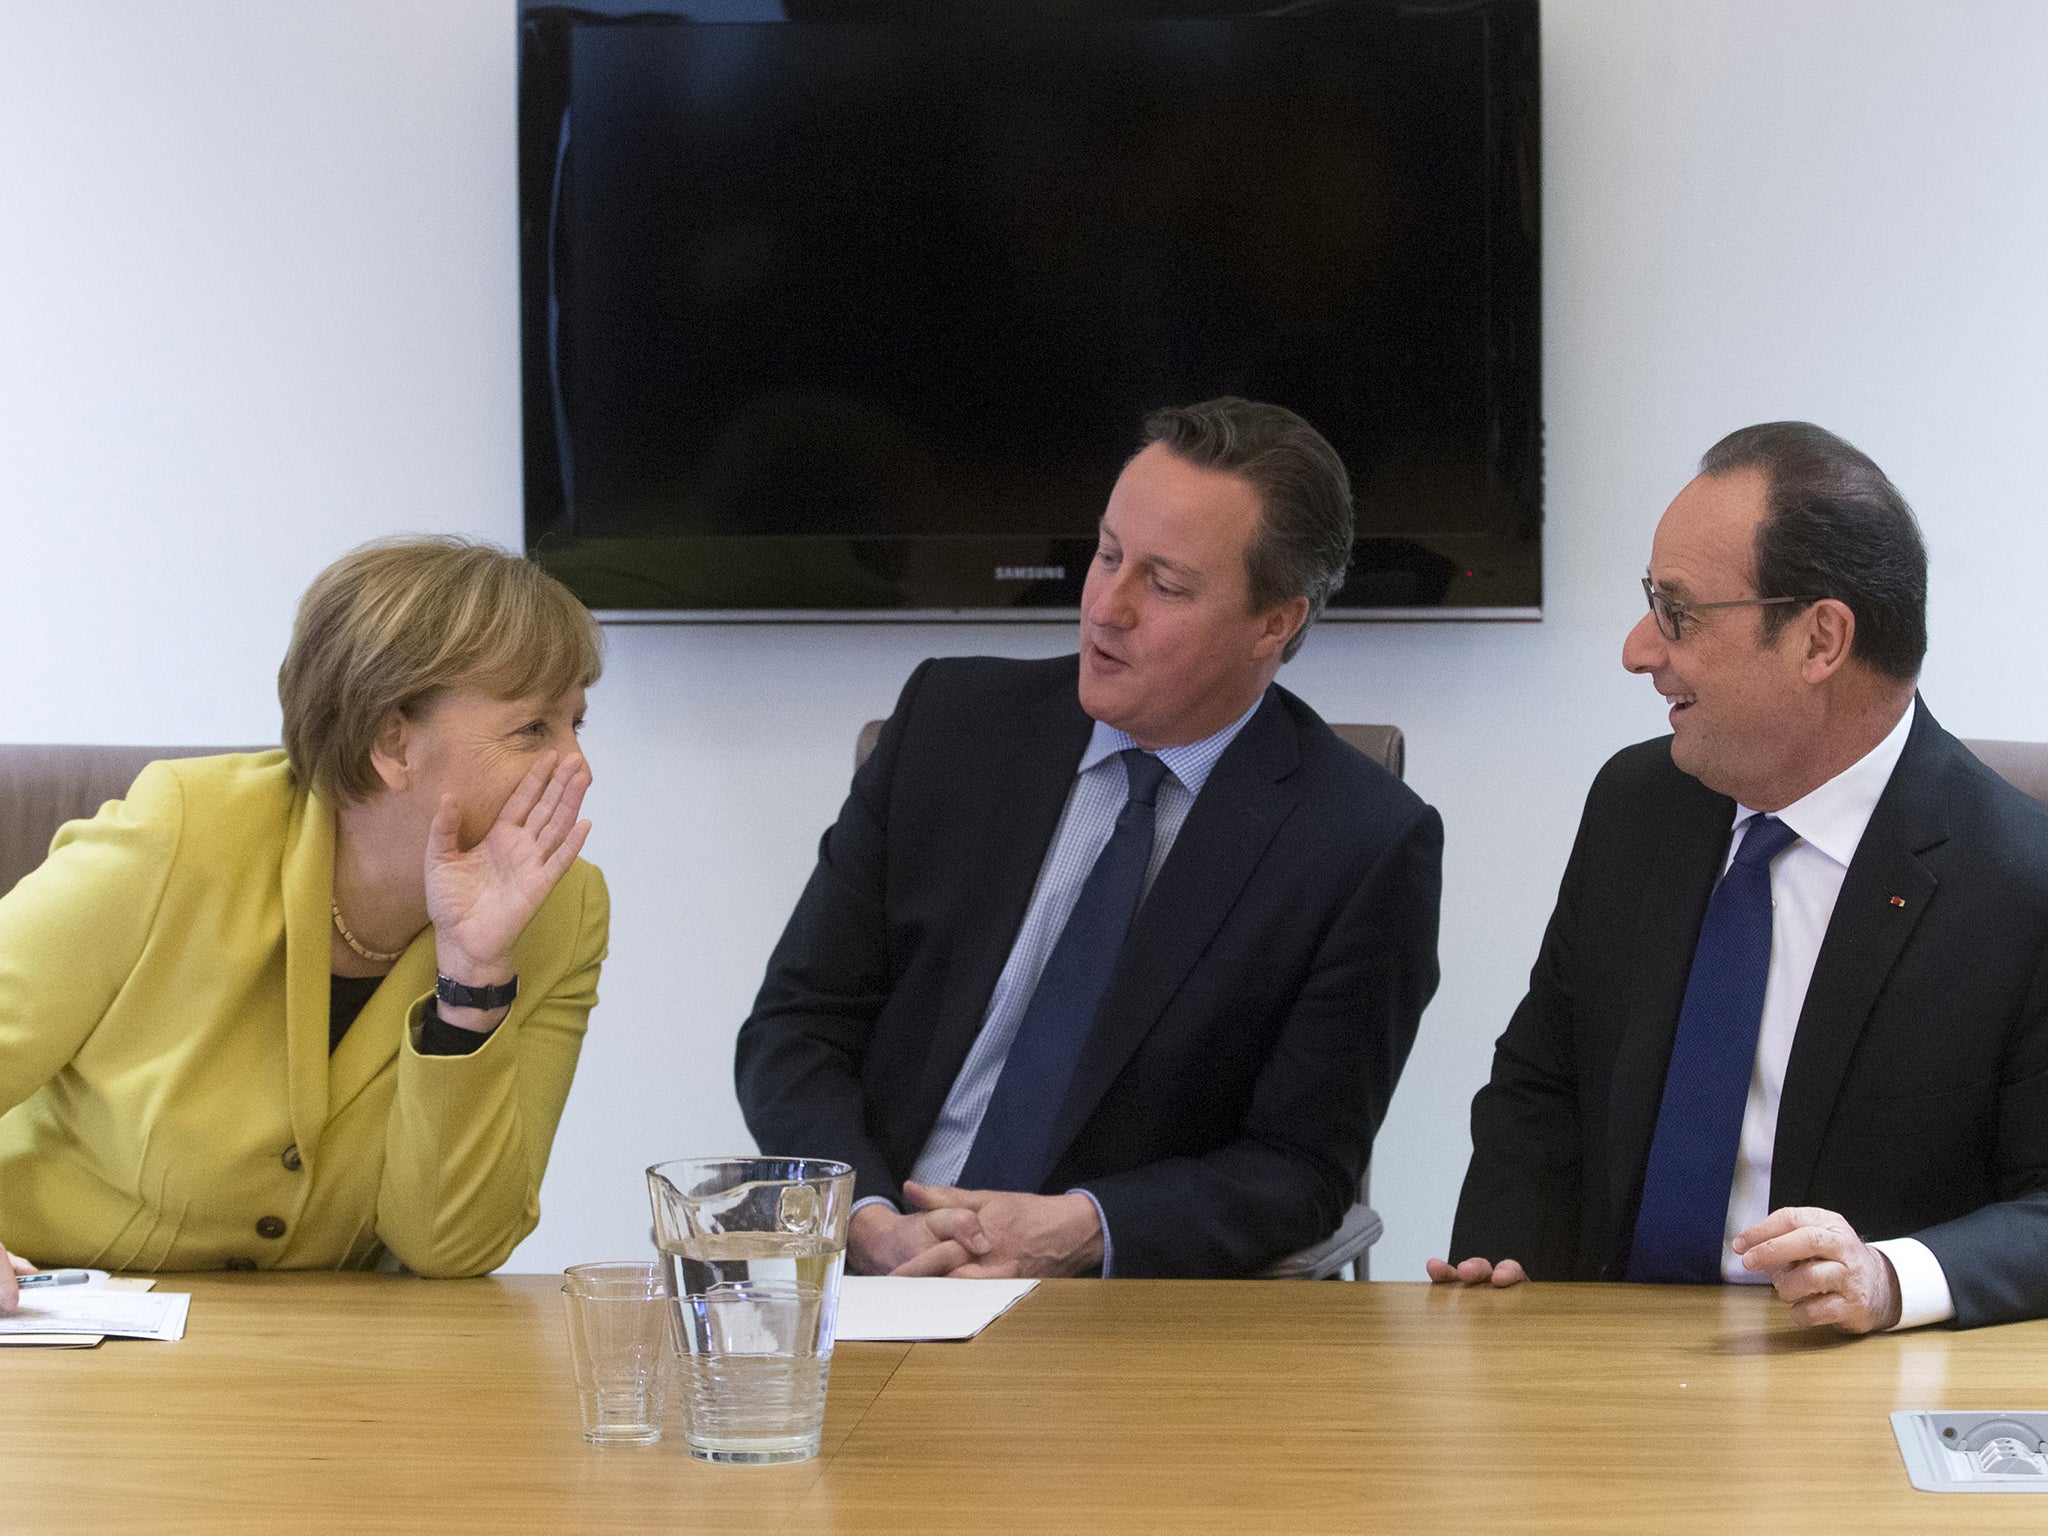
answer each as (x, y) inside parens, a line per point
(1671, 616)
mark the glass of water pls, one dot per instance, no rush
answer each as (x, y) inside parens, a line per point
(754, 1248)
(618, 1344)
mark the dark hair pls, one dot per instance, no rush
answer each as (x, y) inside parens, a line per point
(1303, 543)
(1834, 526)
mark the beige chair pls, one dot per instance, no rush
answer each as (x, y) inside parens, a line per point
(1347, 1247)
(2022, 764)
(42, 787)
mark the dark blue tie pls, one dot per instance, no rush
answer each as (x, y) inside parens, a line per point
(1699, 1124)
(1012, 1145)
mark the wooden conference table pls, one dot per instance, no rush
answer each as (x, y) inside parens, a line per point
(365, 1404)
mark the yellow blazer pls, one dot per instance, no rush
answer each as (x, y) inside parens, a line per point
(167, 1100)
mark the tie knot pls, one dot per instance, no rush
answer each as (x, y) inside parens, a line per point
(1144, 773)
(1763, 840)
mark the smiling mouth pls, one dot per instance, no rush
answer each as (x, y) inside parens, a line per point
(1680, 701)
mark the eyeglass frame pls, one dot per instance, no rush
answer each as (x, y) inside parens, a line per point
(1680, 611)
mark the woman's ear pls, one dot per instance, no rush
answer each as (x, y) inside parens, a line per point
(391, 752)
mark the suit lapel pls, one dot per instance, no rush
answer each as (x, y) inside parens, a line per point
(308, 879)
(1234, 819)
(1865, 937)
(999, 868)
(1670, 909)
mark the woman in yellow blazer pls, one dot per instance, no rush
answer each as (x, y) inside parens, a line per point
(319, 1008)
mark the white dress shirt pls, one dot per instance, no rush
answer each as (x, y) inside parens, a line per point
(1805, 880)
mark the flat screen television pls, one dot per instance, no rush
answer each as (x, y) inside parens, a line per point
(853, 309)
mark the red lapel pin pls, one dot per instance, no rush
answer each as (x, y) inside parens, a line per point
(1898, 901)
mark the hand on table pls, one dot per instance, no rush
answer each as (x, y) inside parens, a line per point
(1818, 1263)
(481, 899)
(885, 1242)
(1025, 1236)
(10, 1266)
(1476, 1271)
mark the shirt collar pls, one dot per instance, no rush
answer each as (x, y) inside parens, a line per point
(1832, 817)
(1189, 764)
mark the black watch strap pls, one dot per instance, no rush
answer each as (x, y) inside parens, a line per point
(456, 995)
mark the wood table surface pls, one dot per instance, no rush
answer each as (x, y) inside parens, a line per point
(361, 1403)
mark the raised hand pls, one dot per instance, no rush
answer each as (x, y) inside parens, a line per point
(481, 899)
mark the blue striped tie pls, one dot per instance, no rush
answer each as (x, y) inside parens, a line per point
(1012, 1145)
(1684, 1213)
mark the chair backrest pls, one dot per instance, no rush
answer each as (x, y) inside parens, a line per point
(2022, 764)
(1384, 744)
(42, 787)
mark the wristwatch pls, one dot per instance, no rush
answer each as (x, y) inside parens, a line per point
(456, 995)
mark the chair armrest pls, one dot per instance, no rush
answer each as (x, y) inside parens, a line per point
(1359, 1230)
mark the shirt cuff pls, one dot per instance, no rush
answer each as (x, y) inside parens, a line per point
(438, 1037)
(1923, 1289)
(1107, 1251)
(874, 1200)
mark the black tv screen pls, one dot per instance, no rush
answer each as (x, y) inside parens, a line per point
(844, 309)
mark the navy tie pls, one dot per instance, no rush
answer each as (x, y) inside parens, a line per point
(1706, 1088)
(1012, 1145)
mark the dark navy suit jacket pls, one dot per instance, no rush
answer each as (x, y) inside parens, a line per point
(1916, 1096)
(1264, 1003)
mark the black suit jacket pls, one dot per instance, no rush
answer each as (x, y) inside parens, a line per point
(1916, 1096)
(1267, 994)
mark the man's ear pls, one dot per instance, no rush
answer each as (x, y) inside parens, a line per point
(1829, 636)
(1279, 626)
(391, 751)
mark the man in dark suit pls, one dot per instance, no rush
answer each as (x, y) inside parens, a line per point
(1790, 1017)
(1030, 1079)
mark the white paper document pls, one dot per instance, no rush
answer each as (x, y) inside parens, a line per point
(885, 1307)
(87, 1314)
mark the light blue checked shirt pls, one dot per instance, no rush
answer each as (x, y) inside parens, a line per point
(1093, 804)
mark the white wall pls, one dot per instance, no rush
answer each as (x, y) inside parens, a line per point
(258, 294)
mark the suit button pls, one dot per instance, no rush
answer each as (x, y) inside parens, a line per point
(238, 1264)
(270, 1226)
(290, 1158)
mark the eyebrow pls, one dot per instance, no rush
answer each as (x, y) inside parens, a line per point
(1672, 589)
(1187, 573)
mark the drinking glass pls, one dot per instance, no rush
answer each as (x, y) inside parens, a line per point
(619, 1335)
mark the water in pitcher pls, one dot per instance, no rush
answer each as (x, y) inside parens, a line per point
(755, 1317)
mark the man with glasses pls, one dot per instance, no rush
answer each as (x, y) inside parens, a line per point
(1789, 1023)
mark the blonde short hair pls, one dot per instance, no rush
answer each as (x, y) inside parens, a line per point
(393, 625)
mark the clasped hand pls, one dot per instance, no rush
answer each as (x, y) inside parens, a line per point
(978, 1234)
(480, 899)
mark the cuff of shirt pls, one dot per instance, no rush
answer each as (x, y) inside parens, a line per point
(1107, 1251)
(875, 1200)
(1923, 1289)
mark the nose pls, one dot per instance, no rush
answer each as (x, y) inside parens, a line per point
(1645, 648)
(1110, 602)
